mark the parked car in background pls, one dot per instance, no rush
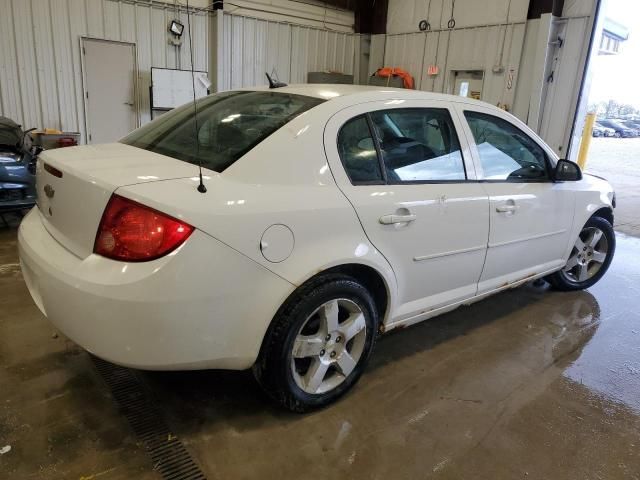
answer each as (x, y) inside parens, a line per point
(632, 124)
(17, 171)
(600, 130)
(325, 214)
(621, 131)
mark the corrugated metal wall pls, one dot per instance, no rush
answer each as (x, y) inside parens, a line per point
(561, 97)
(403, 16)
(476, 48)
(40, 73)
(250, 47)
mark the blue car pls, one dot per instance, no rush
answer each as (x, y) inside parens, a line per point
(17, 168)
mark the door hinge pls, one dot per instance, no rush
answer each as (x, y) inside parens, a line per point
(86, 94)
(84, 51)
(90, 137)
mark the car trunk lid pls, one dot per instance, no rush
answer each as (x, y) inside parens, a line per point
(74, 185)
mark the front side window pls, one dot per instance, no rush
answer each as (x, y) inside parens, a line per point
(506, 153)
(418, 145)
(228, 125)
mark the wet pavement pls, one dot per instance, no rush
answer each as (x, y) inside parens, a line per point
(528, 384)
(618, 160)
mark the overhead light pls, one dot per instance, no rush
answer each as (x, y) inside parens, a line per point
(176, 28)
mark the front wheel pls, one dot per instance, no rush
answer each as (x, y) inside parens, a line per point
(318, 344)
(590, 257)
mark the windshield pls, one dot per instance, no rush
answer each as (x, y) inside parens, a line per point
(229, 124)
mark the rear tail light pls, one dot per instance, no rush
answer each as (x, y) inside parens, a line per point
(133, 232)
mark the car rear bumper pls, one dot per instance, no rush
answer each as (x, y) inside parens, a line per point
(202, 306)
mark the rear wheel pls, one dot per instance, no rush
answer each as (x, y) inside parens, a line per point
(319, 343)
(590, 257)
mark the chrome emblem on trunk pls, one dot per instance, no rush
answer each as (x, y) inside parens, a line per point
(49, 191)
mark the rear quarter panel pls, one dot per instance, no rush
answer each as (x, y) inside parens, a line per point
(285, 180)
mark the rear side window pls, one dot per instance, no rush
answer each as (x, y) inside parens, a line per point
(228, 125)
(358, 152)
(418, 145)
(506, 153)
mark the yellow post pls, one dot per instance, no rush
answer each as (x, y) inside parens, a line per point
(586, 139)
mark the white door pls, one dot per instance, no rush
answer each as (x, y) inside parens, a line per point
(109, 89)
(531, 216)
(405, 172)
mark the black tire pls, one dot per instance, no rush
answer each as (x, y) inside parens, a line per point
(274, 368)
(617, 135)
(561, 280)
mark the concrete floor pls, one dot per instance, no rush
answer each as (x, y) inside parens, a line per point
(618, 160)
(528, 384)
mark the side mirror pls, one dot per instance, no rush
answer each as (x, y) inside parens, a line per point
(567, 171)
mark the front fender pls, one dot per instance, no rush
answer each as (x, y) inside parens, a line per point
(592, 194)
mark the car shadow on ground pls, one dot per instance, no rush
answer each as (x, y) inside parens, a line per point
(203, 401)
(12, 219)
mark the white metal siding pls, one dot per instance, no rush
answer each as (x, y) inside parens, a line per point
(40, 74)
(250, 47)
(403, 16)
(308, 13)
(561, 98)
(476, 48)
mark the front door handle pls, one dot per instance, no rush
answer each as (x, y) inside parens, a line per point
(393, 219)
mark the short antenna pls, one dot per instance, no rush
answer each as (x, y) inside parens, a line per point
(274, 83)
(201, 187)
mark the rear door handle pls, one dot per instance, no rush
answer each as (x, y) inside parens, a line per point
(393, 219)
(509, 206)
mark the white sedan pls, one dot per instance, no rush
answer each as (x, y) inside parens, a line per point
(325, 215)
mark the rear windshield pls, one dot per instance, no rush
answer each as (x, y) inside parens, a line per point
(229, 124)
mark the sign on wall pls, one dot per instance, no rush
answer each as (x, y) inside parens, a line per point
(171, 88)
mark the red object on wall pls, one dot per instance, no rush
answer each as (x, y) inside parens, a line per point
(386, 72)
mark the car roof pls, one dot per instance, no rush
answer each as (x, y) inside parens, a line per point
(364, 92)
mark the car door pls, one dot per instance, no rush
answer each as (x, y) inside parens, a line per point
(530, 215)
(404, 169)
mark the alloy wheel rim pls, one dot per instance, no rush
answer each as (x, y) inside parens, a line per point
(328, 346)
(587, 256)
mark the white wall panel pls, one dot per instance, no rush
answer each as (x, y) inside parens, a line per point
(248, 47)
(95, 18)
(23, 30)
(40, 73)
(111, 20)
(76, 11)
(562, 94)
(63, 54)
(407, 52)
(404, 15)
(477, 48)
(578, 8)
(308, 13)
(45, 64)
(10, 96)
(127, 22)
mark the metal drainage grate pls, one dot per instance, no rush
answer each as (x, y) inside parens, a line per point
(169, 456)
